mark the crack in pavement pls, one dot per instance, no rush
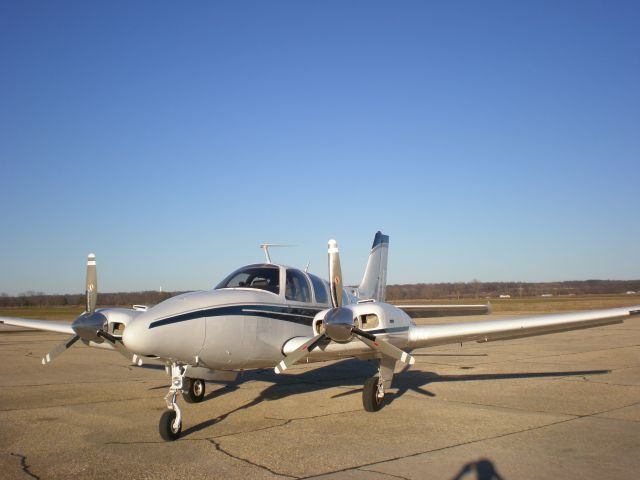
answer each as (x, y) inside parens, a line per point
(249, 462)
(80, 383)
(383, 473)
(66, 405)
(25, 465)
(205, 439)
(313, 417)
(285, 422)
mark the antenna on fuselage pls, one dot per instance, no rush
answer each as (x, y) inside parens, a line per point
(265, 247)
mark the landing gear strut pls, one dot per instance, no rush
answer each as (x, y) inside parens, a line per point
(171, 421)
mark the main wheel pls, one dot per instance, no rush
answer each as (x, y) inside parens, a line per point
(194, 393)
(372, 395)
(168, 431)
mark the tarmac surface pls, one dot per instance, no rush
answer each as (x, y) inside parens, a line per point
(557, 406)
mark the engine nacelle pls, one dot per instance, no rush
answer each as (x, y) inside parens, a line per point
(118, 319)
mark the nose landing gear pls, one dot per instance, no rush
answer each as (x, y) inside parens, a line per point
(192, 390)
(171, 421)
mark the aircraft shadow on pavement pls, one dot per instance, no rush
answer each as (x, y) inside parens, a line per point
(353, 373)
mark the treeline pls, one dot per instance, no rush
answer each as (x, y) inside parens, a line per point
(477, 289)
(473, 289)
(39, 299)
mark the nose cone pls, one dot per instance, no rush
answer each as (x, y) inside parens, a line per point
(87, 324)
(136, 338)
(338, 324)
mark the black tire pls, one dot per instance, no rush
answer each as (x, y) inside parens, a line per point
(167, 432)
(194, 391)
(370, 399)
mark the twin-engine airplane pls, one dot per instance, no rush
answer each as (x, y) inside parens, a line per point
(267, 315)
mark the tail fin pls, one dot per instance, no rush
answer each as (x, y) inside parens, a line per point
(374, 282)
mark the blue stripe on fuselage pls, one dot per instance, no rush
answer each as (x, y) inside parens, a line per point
(303, 316)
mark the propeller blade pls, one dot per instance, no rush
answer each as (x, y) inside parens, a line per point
(119, 346)
(384, 347)
(91, 290)
(299, 353)
(48, 358)
(335, 274)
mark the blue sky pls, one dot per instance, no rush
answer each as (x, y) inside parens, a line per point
(491, 140)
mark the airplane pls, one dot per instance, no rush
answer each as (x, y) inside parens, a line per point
(273, 316)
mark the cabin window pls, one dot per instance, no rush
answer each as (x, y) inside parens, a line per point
(261, 277)
(319, 289)
(297, 287)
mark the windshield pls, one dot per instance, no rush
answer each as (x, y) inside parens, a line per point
(262, 277)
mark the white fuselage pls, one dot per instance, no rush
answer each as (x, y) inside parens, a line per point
(240, 327)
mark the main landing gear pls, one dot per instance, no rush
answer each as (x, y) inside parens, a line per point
(374, 387)
(192, 390)
(373, 394)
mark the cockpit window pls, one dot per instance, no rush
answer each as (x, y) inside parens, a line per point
(297, 288)
(262, 277)
(319, 289)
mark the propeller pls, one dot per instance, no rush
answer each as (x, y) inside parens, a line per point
(339, 325)
(90, 325)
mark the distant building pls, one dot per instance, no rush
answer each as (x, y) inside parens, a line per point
(505, 296)
(547, 295)
(631, 292)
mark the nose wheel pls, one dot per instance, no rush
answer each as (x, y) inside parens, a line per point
(170, 429)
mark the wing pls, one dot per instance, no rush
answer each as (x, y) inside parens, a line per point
(505, 329)
(50, 326)
(424, 311)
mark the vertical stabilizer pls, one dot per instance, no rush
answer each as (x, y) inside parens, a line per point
(374, 282)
